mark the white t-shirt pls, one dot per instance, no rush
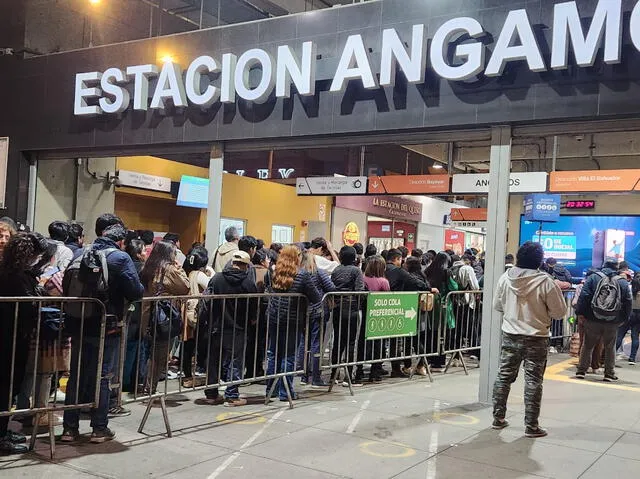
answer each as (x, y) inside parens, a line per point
(326, 264)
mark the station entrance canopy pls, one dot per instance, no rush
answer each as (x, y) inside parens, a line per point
(255, 74)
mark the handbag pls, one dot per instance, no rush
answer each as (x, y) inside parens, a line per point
(166, 320)
(426, 302)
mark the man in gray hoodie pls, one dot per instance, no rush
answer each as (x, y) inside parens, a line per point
(528, 300)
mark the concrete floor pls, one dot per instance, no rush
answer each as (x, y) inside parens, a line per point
(400, 429)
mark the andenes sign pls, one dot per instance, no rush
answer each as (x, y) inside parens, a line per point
(106, 92)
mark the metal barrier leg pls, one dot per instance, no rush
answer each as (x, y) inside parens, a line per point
(270, 393)
(428, 367)
(464, 364)
(446, 368)
(146, 415)
(348, 377)
(165, 416)
(52, 434)
(286, 388)
(34, 431)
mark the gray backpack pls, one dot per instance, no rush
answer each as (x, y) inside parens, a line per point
(606, 303)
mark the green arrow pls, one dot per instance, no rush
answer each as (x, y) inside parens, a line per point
(410, 313)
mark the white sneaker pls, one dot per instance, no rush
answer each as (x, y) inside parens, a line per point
(553, 350)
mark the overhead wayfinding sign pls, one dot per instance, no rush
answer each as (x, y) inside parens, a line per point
(534, 182)
(409, 184)
(594, 181)
(332, 186)
(391, 315)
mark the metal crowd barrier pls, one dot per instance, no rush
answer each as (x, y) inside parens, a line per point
(44, 339)
(562, 329)
(461, 326)
(256, 341)
(362, 328)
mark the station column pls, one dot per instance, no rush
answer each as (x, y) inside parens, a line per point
(216, 167)
(498, 209)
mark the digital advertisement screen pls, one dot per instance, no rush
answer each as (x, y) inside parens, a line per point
(193, 192)
(583, 242)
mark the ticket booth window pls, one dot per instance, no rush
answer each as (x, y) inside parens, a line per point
(282, 234)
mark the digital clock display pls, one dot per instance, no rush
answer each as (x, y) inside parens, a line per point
(580, 205)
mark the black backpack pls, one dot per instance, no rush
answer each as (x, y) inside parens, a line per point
(606, 303)
(87, 276)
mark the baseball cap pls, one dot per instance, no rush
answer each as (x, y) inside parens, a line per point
(241, 257)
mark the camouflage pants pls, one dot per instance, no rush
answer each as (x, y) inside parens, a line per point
(516, 349)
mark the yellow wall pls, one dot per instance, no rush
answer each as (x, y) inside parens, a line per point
(264, 203)
(260, 203)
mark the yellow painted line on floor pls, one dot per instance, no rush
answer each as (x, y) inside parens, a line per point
(554, 371)
(391, 450)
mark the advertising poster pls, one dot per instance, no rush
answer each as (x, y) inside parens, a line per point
(582, 242)
(614, 245)
(454, 240)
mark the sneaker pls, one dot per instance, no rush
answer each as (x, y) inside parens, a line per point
(357, 381)
(44, 421)
(98, 436)
(201, 372)
(398, 374)
(320, 384)
(216, 401)
(193, 382)
(15, 438)
(632, 363)
(383, 372)
(237, 402)
(294, 397)
(533, 432)
(304, 381)
(118, 411)
(593, 371)
(553, 350)
(580, 375)
(421, 371)
(173, 375)
(375, 378)
(610, 378)
(437, 370)
(70, 435)
(8, 447)
(499, 423)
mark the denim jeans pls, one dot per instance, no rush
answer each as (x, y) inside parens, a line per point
(634, 325)
(228, 346)
(84, 369)
(137, 354)
(281, 355)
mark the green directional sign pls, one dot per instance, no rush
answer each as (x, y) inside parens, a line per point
(391, 315)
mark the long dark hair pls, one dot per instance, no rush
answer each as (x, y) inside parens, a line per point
(414, 267)
(197, 259)
(22, 251)
(162, 255)
(436, 272)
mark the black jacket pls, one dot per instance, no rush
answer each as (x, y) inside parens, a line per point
(287, 309)
(583, 306)
(346, 279)
(400, 280)
(228, 313)
(561, 273)
(13, 284)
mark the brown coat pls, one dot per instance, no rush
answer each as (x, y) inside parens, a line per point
(174, 283)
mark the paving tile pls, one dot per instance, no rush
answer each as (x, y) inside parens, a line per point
(245, 465)
(628, 446)
(522, 454)
(341, 453)
(444, 467)
(147, 456)
(416, 430)
(16, 466)
(567, 433)
(611, 466)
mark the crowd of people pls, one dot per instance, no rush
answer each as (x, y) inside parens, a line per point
(163, 338)
(121, 267)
